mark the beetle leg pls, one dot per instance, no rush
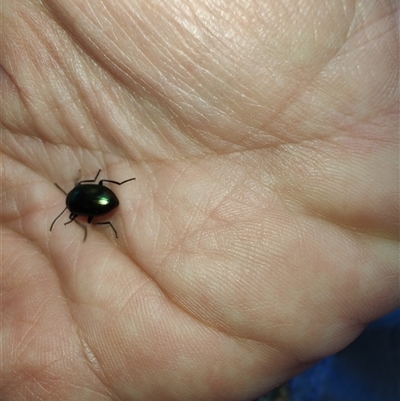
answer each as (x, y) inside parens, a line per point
(72, 217)
(110, 224)
(84, 229)
(94, 180)
(116, 182)
(90, 221)
(59, 188)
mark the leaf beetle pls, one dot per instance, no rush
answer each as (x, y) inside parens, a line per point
(90, 200)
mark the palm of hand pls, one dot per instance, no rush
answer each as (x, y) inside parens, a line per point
(260, 232)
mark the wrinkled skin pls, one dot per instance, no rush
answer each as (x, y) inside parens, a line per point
(261, 233)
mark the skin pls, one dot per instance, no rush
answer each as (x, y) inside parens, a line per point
(261, 233)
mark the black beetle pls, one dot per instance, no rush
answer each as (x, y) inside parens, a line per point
(90, 200)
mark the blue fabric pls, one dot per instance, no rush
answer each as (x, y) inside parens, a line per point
(367, 370)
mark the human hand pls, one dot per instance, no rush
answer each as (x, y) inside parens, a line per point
(261, 232)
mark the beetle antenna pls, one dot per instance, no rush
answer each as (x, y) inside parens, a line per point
(52, 224)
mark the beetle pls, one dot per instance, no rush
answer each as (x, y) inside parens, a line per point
(90, 200)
